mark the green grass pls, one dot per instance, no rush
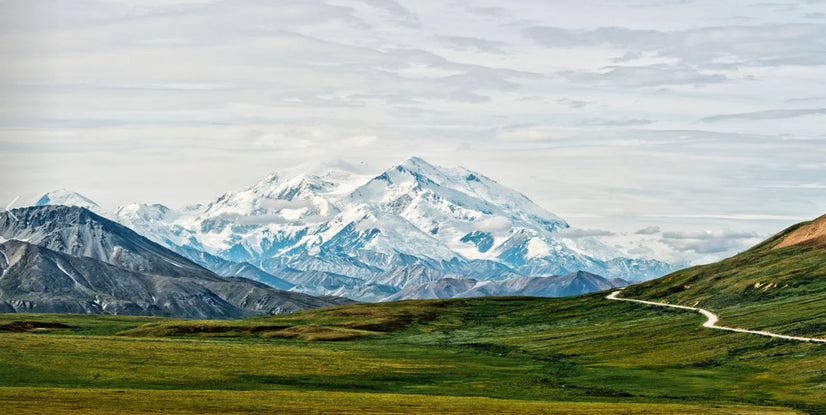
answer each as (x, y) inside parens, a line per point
(779, 290)
(526, 355)
(107, 401)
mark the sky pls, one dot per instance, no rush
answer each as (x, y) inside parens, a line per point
(686, 130)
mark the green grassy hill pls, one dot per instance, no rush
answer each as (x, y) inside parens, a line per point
(773, 286)
(572, 355)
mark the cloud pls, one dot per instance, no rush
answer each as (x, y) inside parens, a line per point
(766, 115)
(705, 48)
(400, 13)
(278, 204)
(468, 97)
(601, 122)
(645, 76)
(642, 251)
(806, 99)
(650, 230)
(524, 133)
(573, 103)
(708, 235)
(743, 217)
(253, 219)
(708, 242)
(607, 36)
(474, 44)
(575, 233)
(494, 224)
(487, 11)
(812, 186)
(360, 141)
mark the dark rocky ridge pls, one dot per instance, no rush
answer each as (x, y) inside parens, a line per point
(69, 260)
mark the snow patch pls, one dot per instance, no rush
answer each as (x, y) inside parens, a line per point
(172, 262)
(67, 273)
(7, 262)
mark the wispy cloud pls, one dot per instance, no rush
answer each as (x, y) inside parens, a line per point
(474, 44)
(743, 217)
(707, 47)
(573, 103)
(575, 233)
(708, 242)
(601, 122)
(812, 186)
(766, 115)
(400, 14)
(645, 76)
(806, 99)
(649, 230)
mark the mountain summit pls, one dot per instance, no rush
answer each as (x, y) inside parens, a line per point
(415, 220)
(68, 198)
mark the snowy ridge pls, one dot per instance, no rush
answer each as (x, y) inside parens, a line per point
(448, 222)
(68, 198)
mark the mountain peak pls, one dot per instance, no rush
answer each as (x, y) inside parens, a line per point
(415, 161)
(271, 178)
(67, 198)
(147, 212)
(418, 166)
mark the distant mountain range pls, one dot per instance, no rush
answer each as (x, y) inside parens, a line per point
(554, 286)
(62, 259)
(368, 237)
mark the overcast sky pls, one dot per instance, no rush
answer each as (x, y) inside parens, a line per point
(695, 128)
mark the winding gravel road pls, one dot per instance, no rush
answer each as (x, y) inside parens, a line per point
(712, 319)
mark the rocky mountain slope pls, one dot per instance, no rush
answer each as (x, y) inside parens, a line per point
(70, 260)
(552, 286)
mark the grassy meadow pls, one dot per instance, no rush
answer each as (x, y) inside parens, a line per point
(504, 355)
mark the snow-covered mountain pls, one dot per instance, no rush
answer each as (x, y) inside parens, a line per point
(67, 198)
(411, 224)
(68, 259)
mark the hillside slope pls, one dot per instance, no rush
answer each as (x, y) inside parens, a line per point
(778, 285)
